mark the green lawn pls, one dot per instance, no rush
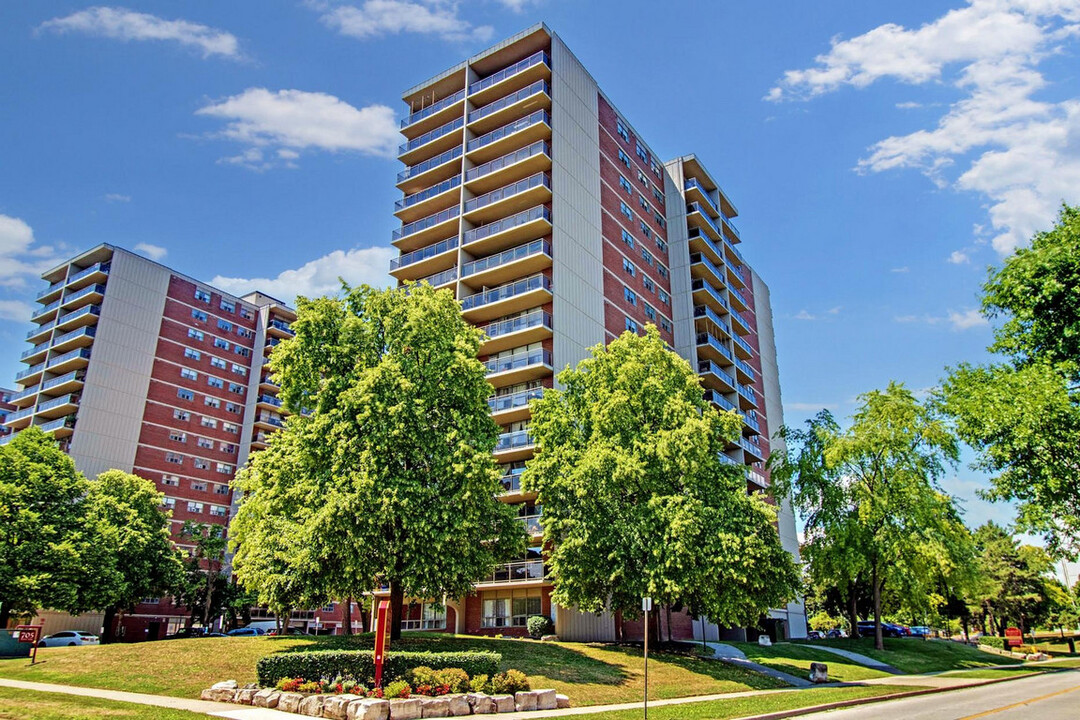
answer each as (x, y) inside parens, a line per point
(742, 707)
(589, 674)
(795, 659)
(30, 705)
(913, 655)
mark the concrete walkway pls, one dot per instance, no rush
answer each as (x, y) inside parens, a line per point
(734, 656)
(860, 658)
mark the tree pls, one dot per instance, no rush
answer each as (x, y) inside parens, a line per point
(203, 589)
(637, 499)
(1016, 584)
(391, 442)
(870, 496)
(132, 540)
(1023, 415)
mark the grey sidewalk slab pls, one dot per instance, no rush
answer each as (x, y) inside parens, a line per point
(734, 656)
(860, 658)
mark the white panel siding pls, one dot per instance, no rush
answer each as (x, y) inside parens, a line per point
(682, 304)
(572, 625)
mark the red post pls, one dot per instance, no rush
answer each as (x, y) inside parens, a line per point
(382, 638)
(30, 634)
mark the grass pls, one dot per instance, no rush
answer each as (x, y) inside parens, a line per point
(913, 655)
(795, 660)
(29, 705)
(741, 707)
(589, 674)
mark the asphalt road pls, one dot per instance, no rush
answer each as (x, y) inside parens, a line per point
(1054, 696)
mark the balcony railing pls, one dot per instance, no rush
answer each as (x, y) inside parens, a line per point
(751, 448)
(743, 344)
(34, 350)
(502, 403)
(692, 183)
(511, 481)
(748, 392)
(79, 312)
(19, 415)
(419, 168)
(440, 278)
(728, 244)
(419, 197)
(696, 234)
(424, 253)
(536, 247)
(431, 135)
(696, 258)
(713, 342)
(270, 400)
(102, 267)
(704, 311)
(479, 233)
(715, 397)
(745, 368)
(728, 460)
(757, 477)
(696, 207)
(752, 423)
(731, 225)
(509, 290)
(51, 289)
(41, 311)
(540, 147)
(276, 422)
(282, 326)
(518, 361)
(740, 296)
(79, 352)
(424, 223)
(40, 329)
(737, 268)
(532, 524)
(32, 370)
(517, 572)
(537, 58)
(540, 86)
(514, 441)
(531, 319)
(74, 375)
(88, 331)
(533, 181)
(58, 424)
(97, 289)
(432, 109)
(57, 402)
(540, 116)
(708, 366)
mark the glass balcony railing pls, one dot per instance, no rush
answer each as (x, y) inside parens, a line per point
(696, 258)
(692, 183)
(511, 480)
(41, 311)
(752, 423)
(97, 289)
(57, 402)
(751, 448)
(502, 403)
(51, 289)
(533, 181)
(509, 290)
(59, 424)
(536, 247)
(696, 234)
(43, 328)
(430, 163)
(731, 225)
(708, 366)
(103, 267)
(743, 344)
(729, 460)
(740, 296)
(531, 319)
(696, 207)
(270, 420)
(432, 109)
(713, 342)
(431, 135)
(540, 86)
(514, 441)
(19, 415)
(738, 317)
(538, 58)
(756, 477)
(736, 268)
(80, 352)
(282, 325)
(32, 370)
(424, 223)
(34, 350)
(87, 331)
(541, 147)
(745, 368)
(444, 186)
(79, 312)
(532, 524)
(517, 572)
(699, 284)
(540, 116)
(270, 400)
(714, 396)
(704, 311)
(518, 361)
(728, 244)
(440, 278)
(747, 392)
(424, 253)
(537, 213)
(24, 393)
(74, 375)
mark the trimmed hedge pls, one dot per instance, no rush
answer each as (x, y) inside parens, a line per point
(992, 641)
(360, 664)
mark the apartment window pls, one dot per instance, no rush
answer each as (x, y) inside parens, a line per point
(185, 394)
(621, 130)
(234, 408)
(201, 464)
(244, 333)
(241, 351)
(224, 325)
(628, 238)
(217, 511)
(236, 388)
(221, 343)
(625, 184)
(202, 295)
(629, 267)
(215, 382)
(228, 306)
(646, 256)
(658, 196)
(509, 608)
(228, 448)
(630, 296)
(645, 230)
(178, 437)
(168, 502)
(664, 297)
(665, 324)
(188, 374)
(624, 158)
(192, 354)
(649, 285)
(231, 428)
(198, 315)
(643, 178)
(650, 312)
(198, 486)
(225, 468)
(631, 325)
(181, 415)
(174, 458)
(221, 489)
(239, 370)
(654, 167)
(212, 402)
(661, 245)
(642, 152)
(193, 333)
(643, 202)
(170, 480)
(662, 270)
(660, 219)
(195, 507)
(218, 363)
(205, 443)
(208, 422)
(245, 313)
(625, 210)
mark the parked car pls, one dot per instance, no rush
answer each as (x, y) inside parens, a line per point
(68, 638)
(246, 631)
(213, 634)
(813, 635)
(836, 633)
(186, 633)
(866, 629)
(921, 631)
(289, 631)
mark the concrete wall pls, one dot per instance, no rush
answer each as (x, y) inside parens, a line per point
(682, 303)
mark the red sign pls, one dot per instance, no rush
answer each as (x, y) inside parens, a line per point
(382, 638)
(1013, 637)
(30, 634)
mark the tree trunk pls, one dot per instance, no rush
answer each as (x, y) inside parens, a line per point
(397, 601)
(277, 623)
(618, 626)
(209, 598)
(5, 615)
(348, 616)
(964, 622)
(853, 609)
(669, 623)
(365, 614)
(879, 643)
(107, 633)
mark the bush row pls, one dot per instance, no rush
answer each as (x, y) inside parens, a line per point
(992, 641)
(360, 664)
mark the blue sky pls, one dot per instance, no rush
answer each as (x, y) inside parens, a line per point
(881, 154)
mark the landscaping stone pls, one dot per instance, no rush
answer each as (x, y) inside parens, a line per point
(550, 638)
(245, 696)
(266, 698)
(336, 707)
(369, 709)
(223, 694)
(561, 701)
(434, 707)
(312, 706)
(545, 699)
(405, 709)
(819, 672)
(207, 694)
(764, 641)
(480, 704)
(289, 702)
(459, 705)
(225, 685)
(504, 703)
(525, 701)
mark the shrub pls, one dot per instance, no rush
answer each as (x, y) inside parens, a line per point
(992, 641)
(479, 684)
(287, 684)
(509, 682)
(456, 679)
(422, 675)
(312, 686)
(397, 689)
(360, 664)
(539, 626)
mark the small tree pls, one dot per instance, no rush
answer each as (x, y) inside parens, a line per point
(637, 501)
(201, 591)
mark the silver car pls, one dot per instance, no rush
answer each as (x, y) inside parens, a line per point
(68, 638)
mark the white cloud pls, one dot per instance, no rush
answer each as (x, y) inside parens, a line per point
(117, 197)
(16, 310)
(906, 318)
(374, 18)
(320, 276)
(810, 406)
(967, 319)
(120, 23)
(959, 257)
(804, 315)
(20, 257)
(903, 269)
(908, 105)
(293, 120)
(518, 5)
(1023, 153)
(835, 310)
(154, 252)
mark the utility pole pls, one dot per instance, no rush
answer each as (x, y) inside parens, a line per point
(646, 606)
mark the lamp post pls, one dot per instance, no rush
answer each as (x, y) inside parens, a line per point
(646, 606)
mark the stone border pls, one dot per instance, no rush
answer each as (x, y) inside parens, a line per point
(345, 706)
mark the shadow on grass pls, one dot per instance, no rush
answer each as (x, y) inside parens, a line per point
(702, 666)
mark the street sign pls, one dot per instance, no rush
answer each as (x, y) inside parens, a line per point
(1013, 636)
(30, 634)
(382, 638)
(646, 604)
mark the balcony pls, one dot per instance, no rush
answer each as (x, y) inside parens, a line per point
(705, 294)
(92, 294)
(527, 130)
(86, 315)
(426, 260)
(507, 299)
(76, 338)
(525, 572)
(439, 279)
(739, 300)
(433, 170)
(427, 230)
(513, 198)
(707, 315)
(267, 385)
(715, 377)
(752, 423)
(536, 96)
(40, 333)
(737, 272)
(502, 267)
(729, 225)
(518, 368)
(35, 353)
(433, 115)
(46, 312)
(96, 273)
(429, 200)
(702, 243)
(744, 372)
(432, 142)
(47, 294)
(514, 446)
(696, 192)
(24, 398)
(740, 323)
(30, 375)
(268, 422)
(697, 218)
(259, 440)
(73, 360)
(57, 407)
(493, 237)
(757, 478)
(742, 348)
(60, 428)
(512, 166)
(268, 401)
(755, 452)
(66, 383)
(703, 267)
(279, 328)
(747, 397)
(19, 419)
(532, 525)
(719, 400)
(535, 67)
(524, 329)
(712, 348)
(513, 408)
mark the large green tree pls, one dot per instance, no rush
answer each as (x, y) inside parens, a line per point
(203, 588)
(871, 499)
(391, 446)
(1023, 414)
(637, 500)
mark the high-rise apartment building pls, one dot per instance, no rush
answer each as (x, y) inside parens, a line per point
(5, 409)
(531, 197)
